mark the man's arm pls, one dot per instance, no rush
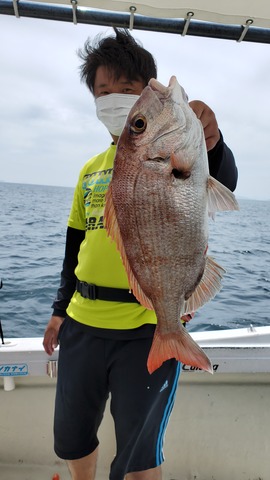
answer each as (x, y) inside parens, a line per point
(74, 239)
(221, 160)
(222, 164)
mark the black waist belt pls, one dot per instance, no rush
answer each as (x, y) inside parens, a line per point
(94, 292)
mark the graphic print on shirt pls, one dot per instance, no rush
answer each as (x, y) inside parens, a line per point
(95, 186)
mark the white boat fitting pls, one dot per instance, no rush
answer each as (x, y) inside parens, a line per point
(219, 428)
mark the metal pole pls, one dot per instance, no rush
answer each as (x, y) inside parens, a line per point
(167, 25)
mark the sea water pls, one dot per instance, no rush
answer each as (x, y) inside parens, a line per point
(32, 243)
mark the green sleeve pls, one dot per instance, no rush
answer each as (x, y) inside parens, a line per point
(77, 213)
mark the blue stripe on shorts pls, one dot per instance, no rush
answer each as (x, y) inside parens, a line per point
(166, 416)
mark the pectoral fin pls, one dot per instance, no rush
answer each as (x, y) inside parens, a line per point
(220, 198)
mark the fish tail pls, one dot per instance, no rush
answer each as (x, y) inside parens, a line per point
(179, 345)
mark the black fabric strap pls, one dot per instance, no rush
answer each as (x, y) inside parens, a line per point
(95, 292)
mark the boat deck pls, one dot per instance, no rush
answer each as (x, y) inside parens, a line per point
(219, 428)
(35, 472)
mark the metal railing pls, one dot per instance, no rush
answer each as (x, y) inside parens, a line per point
(186, 26)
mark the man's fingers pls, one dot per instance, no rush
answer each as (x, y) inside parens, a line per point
(208, 121)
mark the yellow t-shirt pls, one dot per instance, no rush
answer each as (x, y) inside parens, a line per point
(99, 260)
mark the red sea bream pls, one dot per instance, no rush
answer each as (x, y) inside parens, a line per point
(157, 209)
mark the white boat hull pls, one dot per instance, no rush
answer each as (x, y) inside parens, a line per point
(219, 429)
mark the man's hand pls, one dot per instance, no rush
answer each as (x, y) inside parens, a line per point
(209, 122)
(186, 318)
(50, 341)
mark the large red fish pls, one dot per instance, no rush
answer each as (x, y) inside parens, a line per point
(157, 209)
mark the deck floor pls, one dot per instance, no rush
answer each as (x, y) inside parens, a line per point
(219, 430)
(37, 472)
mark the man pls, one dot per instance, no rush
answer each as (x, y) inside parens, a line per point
(106, 335)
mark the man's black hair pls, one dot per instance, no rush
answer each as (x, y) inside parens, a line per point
(121, 54)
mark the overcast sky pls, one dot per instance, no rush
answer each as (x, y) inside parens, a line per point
(48, 127)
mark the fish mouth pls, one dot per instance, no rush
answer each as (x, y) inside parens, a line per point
(156, 86)
(159, 87)
(173, 90)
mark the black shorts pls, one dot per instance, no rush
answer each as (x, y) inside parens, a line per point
(91, 366)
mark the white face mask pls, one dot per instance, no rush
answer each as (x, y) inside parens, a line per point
(113, 109)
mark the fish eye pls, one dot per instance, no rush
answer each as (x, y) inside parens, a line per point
(139, 124)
